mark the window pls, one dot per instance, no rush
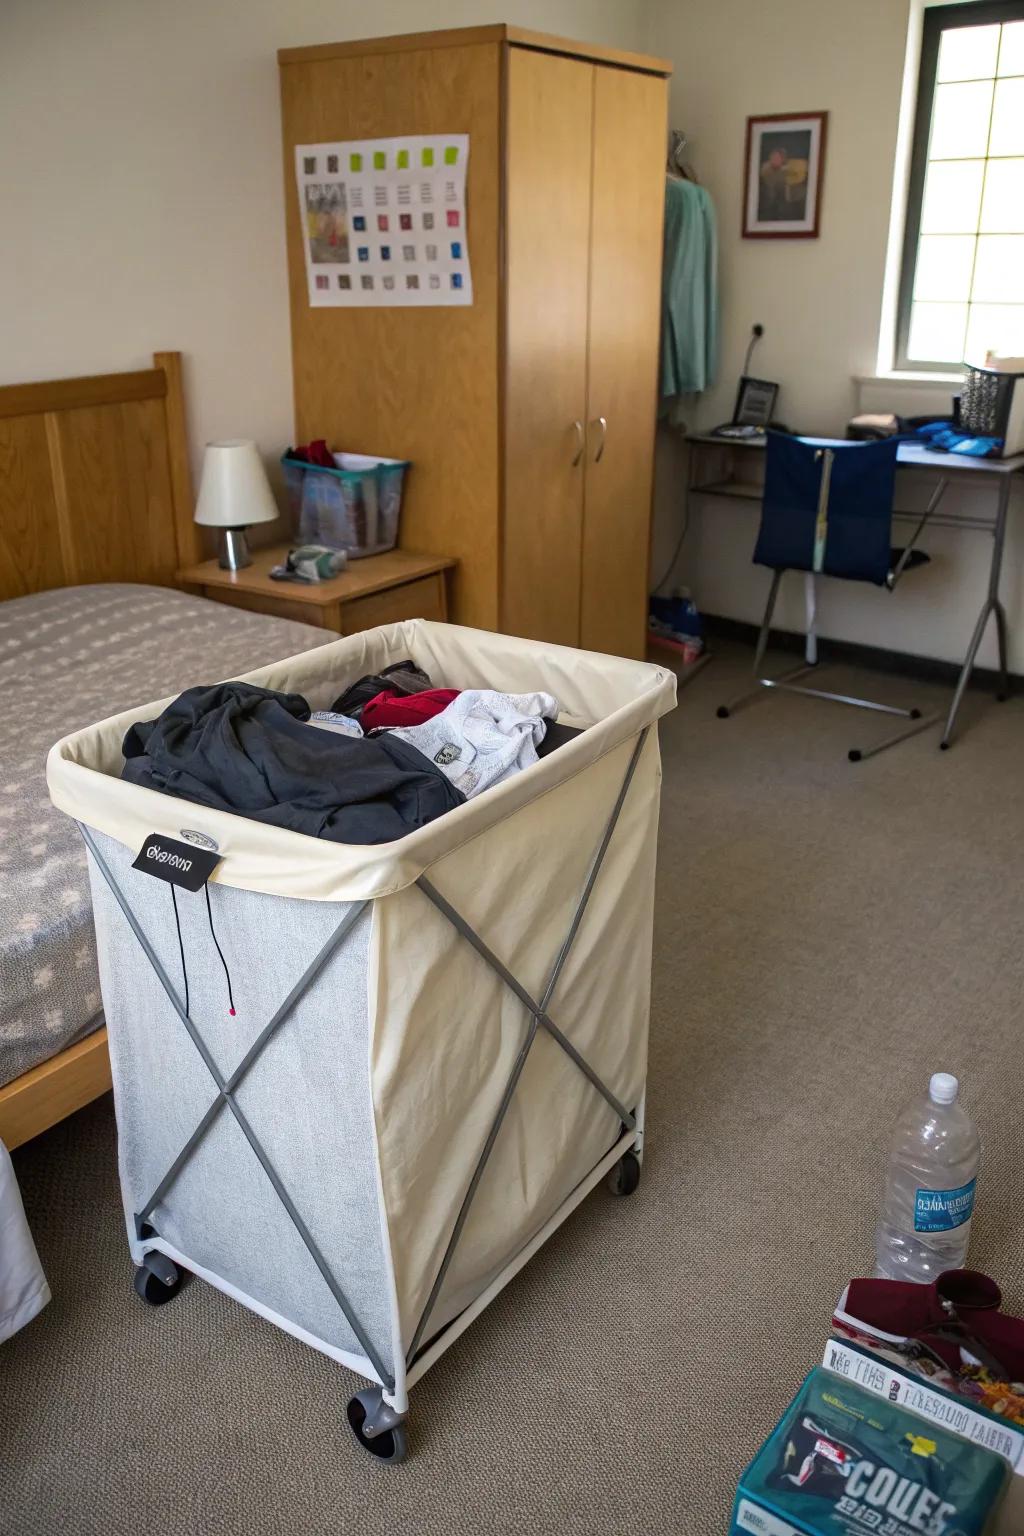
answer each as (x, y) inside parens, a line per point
(962, 280)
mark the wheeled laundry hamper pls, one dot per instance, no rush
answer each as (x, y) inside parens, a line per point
(437, 1046)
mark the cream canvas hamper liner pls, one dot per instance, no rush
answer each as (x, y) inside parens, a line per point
(374, 1097)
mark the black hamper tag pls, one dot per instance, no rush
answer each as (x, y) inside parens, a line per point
(177, 863)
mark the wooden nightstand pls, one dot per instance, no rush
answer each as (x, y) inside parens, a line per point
(379, 589)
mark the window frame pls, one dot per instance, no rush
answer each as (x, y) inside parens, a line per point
(937, 19)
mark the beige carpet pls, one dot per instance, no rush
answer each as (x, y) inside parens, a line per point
(826, 936)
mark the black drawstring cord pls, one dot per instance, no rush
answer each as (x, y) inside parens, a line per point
(227, 973)
(181, 947)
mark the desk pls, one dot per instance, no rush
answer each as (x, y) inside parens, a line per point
(717, 466)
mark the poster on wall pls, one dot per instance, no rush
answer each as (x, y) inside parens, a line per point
(384, 221)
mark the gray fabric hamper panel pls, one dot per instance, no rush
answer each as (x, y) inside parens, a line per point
(307, 1097)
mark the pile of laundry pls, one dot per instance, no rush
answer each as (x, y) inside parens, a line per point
(390, 755)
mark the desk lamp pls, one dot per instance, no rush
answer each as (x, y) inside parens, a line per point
(234, 493)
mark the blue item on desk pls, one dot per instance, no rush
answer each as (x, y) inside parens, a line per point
(943, 438)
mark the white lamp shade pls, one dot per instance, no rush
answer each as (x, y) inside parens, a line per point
(234, 491)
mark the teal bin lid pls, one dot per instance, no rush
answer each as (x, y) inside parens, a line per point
(370, 466)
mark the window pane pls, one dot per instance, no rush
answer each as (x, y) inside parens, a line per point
(1011, 53)
(967, 284)
(1007, 118)
(968, 53)
(999, 270)
(944, 266)
(1003, 205)
(952, 194)
(960, 120)
(937, 332)
(995, 328)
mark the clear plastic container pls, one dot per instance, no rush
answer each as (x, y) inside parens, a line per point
(925, 1222)
(354, 507)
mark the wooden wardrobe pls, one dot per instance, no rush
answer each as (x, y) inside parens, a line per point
(529, 416)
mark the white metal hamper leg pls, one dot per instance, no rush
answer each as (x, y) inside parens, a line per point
(638, 1116)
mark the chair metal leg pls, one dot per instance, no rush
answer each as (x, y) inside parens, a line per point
(811, 610)
(725, 710)
(1004, 682)
(766, 623)
(859, 754)
(788, 682)
(937, 494)
(841, 698)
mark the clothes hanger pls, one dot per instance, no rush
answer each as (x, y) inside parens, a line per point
(677, 168)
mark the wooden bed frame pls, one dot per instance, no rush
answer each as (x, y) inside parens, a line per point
(94, 486)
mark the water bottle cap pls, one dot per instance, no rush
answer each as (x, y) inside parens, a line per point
(943, 1087)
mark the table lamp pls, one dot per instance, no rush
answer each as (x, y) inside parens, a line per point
(234, 493)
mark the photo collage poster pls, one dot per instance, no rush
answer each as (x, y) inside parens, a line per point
(384, 221)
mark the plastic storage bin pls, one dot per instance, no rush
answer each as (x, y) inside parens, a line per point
(354, 507)
(439, 1045)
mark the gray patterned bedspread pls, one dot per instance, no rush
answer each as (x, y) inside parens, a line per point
(67, 659)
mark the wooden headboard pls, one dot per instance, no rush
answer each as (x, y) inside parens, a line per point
(94, 480)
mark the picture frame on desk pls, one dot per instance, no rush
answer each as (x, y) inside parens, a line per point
(785, 166)
(755, 402)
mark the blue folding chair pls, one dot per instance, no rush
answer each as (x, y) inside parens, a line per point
(827, 510)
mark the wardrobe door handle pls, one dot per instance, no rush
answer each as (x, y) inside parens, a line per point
(603, 424)
(581, 442)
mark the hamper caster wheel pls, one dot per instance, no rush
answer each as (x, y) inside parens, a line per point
(157, 1280)
(625, 1176)
(387, 1442)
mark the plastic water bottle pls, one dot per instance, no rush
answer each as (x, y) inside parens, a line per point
(925, 1223)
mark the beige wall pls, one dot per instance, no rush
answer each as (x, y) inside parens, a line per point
(819, 300)
(142, 208)
(142, 190)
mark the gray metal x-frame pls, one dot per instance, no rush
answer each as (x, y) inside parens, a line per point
(226, 1094)
(226, 1086)
(538, 1019)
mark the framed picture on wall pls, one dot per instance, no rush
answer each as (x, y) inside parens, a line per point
(785, 164)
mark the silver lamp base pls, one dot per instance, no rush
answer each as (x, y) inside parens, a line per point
(234, 551)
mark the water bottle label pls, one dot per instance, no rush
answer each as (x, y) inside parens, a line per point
(940, 1210)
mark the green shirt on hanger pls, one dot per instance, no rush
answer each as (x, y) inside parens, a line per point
(689, 291)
